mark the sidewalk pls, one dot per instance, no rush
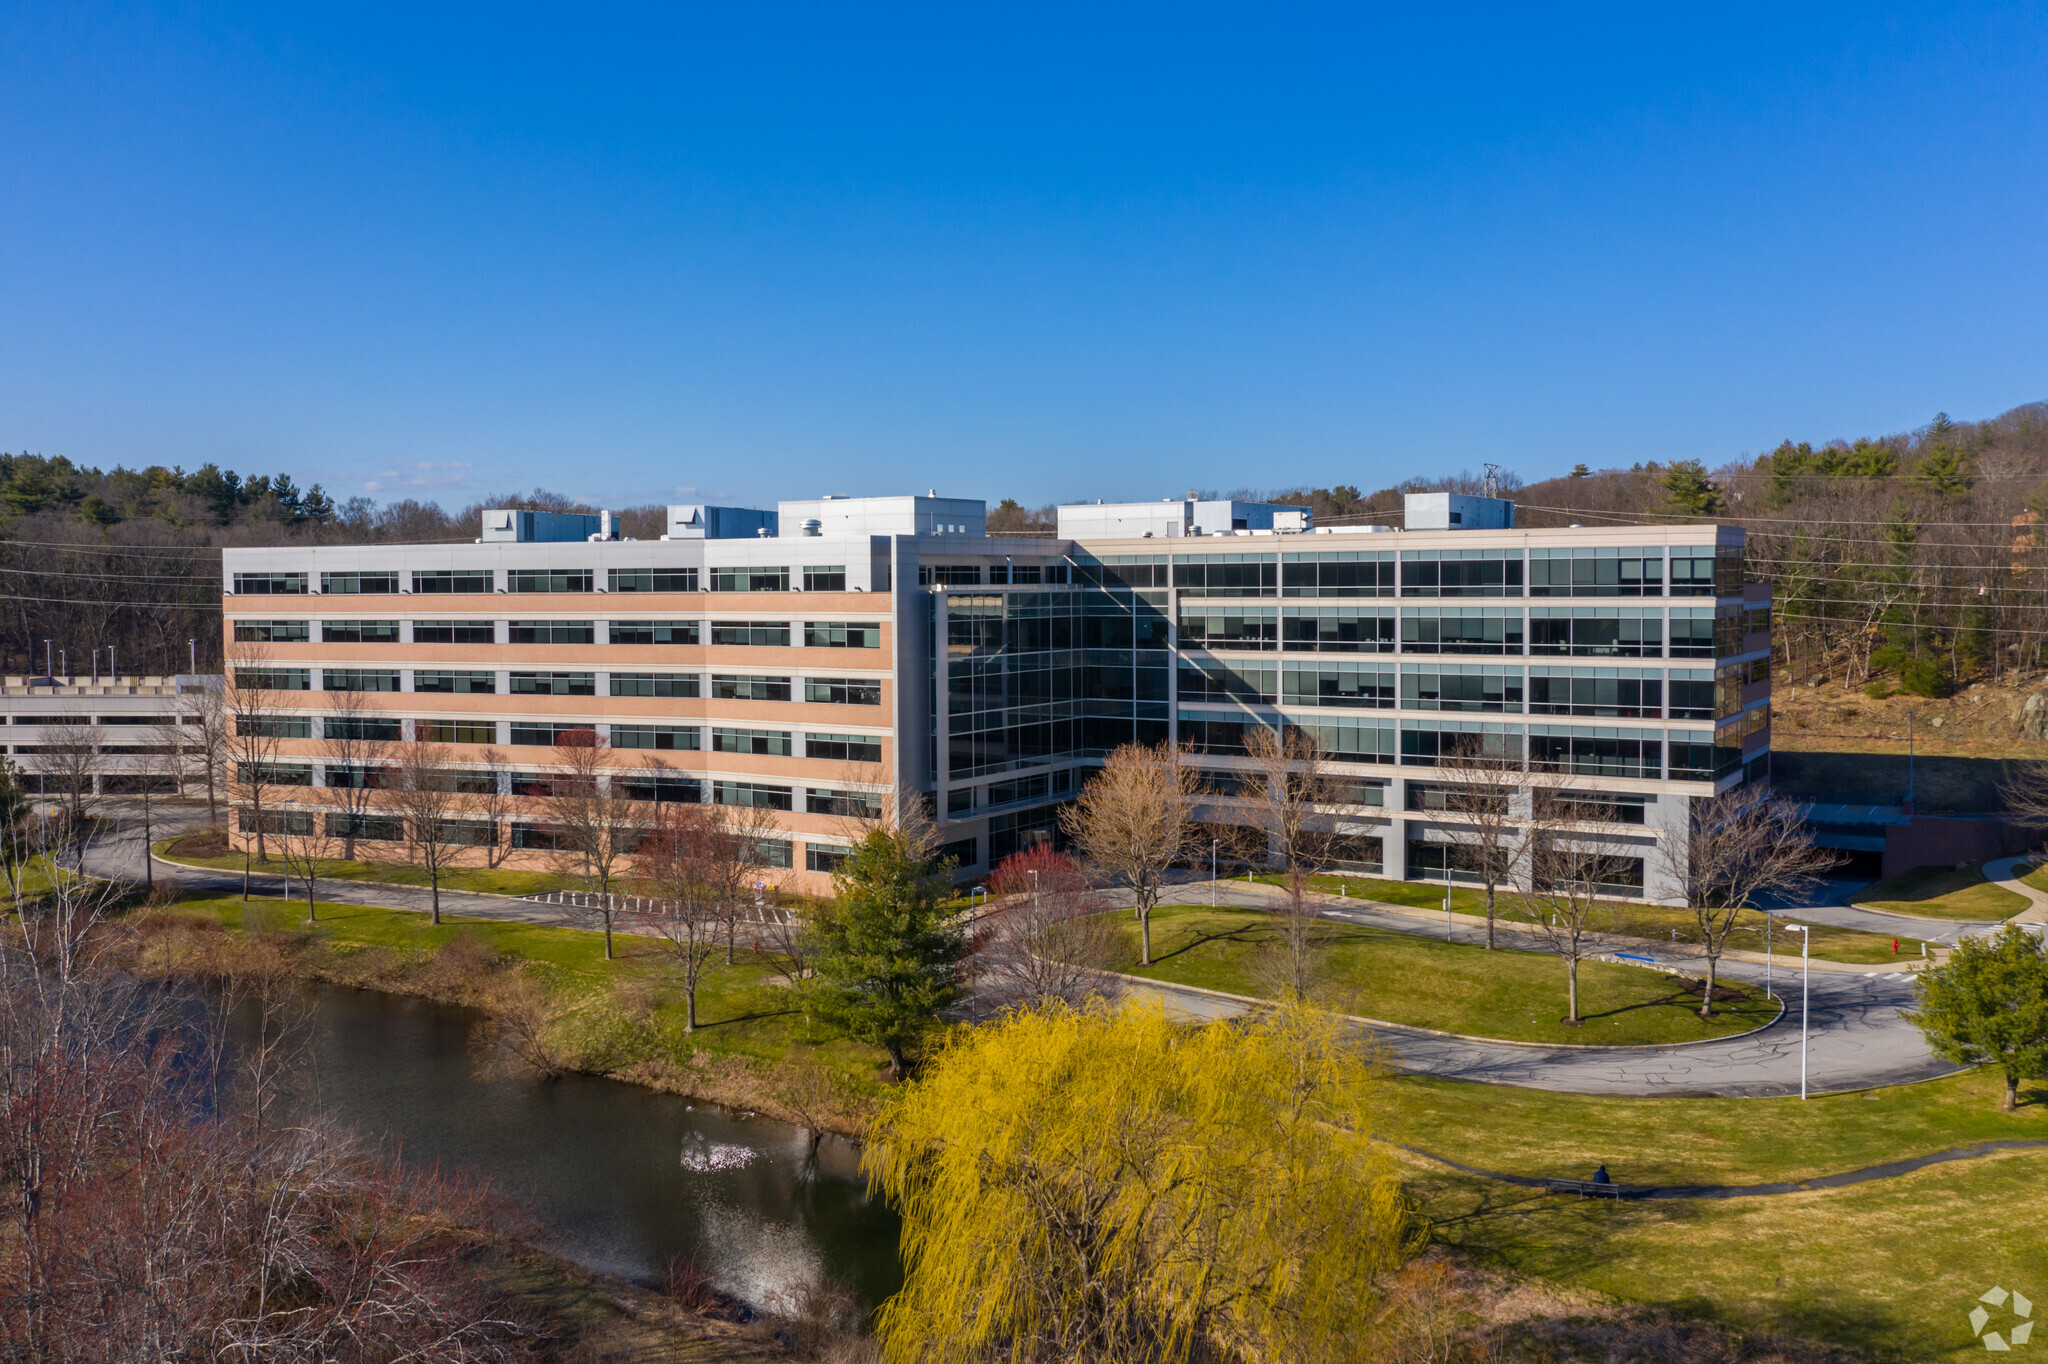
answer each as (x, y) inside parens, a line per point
(2000, 873)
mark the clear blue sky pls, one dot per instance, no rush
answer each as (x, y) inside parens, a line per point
(745, 251)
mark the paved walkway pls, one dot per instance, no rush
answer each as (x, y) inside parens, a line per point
(2000, 873)
(1857, 1038)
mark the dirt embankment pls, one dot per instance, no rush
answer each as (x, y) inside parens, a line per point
(1831, 739)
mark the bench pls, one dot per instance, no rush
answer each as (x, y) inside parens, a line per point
(1584, 1188)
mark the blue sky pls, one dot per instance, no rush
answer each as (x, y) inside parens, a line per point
(671, 253)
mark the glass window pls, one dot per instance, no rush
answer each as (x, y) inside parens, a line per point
(372, 727)
(458, 683)
(353, 584)
(274, 774)
(1591, 752)
(1627, 692)
(274, 679)
(680, 738)
(844, 691)
(1456, 686)
(1460, 630)
(553, 684)
(857, 748)
(359, 679)
(845, 804)
(1425, 741)
(1213, 679)
(747, 687)
(824, 577)
(273, 726)
(550, 632)
(1692, 632)
(772, 743)
(361, 776)
(743, 578)
(654, 632)
(1461, 573)
(535, 837)
(824, 857)
(1227, 575)
(681, 685)
(1692, 570)
(1596, 631)
(359, 631)
(547, 580)
(842, 634)
(1339, 684)
(450, 580)
(1224, 627)
(774, 852)
(456, 731)
(271, 632)
(651, 579)
(1595, 807)
(753, 795)
(771, 634)
(665, 788)
(1597, 571)
(269, 584)
(548, 732)
(1338, 573)
(1691, 694)
(949, 575)
(1337, 629)
(455, 632)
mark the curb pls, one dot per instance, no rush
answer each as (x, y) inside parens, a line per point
(1362, 1021)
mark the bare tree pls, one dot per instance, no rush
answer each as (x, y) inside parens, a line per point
(595, 820)
(491, 802)
(687, 860)
(1566, 874)
(1735, 850)
(20, 831)
(2023, 786)
(354, 762)
(1480, 796)
(1135, 821)
(306, 839)
(1289, 807)
(254, 733)
(71, 765)
(204, 724)
(428, 796)
(751, 826)
(1048, 934)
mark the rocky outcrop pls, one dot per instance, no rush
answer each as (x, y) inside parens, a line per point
(2033, 716)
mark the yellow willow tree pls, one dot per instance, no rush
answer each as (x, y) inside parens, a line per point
(1088, 1185)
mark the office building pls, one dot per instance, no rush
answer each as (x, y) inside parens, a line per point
(840, 654)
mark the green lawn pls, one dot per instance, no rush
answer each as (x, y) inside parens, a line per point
(1456, 987)
(1703, 1140)
(1889, 1270)
(1943, 893)
(1654, 922)
(742, 1014)
(490, 880)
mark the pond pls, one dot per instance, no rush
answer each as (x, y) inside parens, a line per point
(619, 1178)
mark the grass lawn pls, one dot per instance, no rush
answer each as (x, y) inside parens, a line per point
(1703, 1140)
(491, 880)
(1943, 893)
(1456, 987)
(741, 1013)
(1888, 1270)
(1655, 922)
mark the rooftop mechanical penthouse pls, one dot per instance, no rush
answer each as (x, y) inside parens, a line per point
(836, 656)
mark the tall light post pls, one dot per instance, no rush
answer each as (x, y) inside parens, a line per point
(1909, 762)
(1805, 973)
(1214, 843)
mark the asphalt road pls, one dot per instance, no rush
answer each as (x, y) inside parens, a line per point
(1856, 1037)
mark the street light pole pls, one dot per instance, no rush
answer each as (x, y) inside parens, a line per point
(1805, 974)
(1909, 762)
(1213, 843)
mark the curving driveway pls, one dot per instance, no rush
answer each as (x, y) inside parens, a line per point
(1857, 1038)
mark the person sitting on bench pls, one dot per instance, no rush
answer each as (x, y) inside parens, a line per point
(1600, 1176)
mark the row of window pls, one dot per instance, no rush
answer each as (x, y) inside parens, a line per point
(1562, 631)
(837, 691)
(811, 578)
(1575, 571)
(775, 853)
(1682, 755)
(816, 634)
(776, 743)
(1679, 694)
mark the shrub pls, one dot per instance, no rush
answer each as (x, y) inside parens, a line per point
(1877, 691)
(1923, 677)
